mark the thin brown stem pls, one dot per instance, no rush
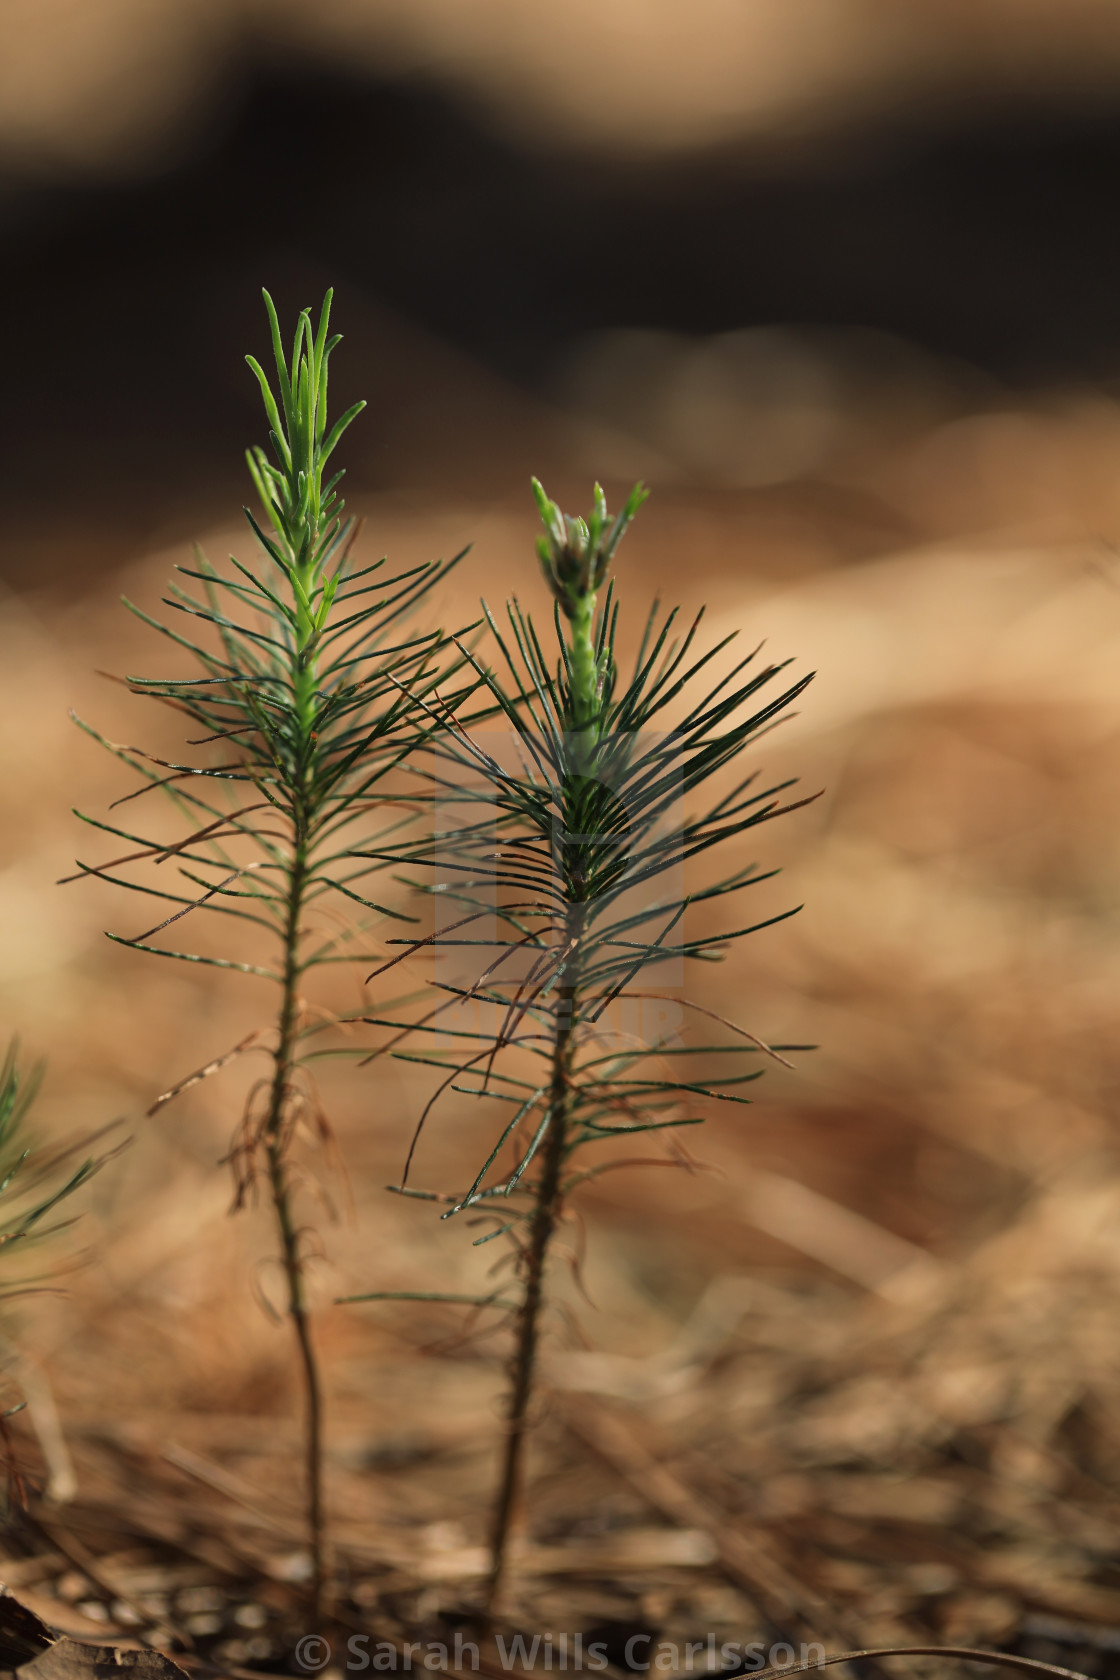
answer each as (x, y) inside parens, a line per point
(276, 1138)
(544, 1219)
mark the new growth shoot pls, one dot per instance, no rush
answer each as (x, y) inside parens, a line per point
(305, 513)
(575, 556)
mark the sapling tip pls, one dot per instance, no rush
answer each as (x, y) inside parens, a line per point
(304, 691)
(567, 867)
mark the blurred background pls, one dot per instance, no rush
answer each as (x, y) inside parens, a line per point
(841, 280)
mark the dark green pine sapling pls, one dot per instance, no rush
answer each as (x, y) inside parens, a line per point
(576, 857)
(35, 1180)
(305, 696)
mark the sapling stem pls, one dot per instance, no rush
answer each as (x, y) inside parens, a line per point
(276, 1142)
(546, 1211)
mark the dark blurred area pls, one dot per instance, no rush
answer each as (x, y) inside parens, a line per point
(980, 234)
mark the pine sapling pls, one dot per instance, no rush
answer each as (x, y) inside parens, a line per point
(35, 1180)
(304, 697)
(575, 855)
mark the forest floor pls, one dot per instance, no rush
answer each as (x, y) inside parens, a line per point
(863, 1378)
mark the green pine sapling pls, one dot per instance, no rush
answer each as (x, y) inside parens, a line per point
(34, 1181)
(573, 859)
(304, 699)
